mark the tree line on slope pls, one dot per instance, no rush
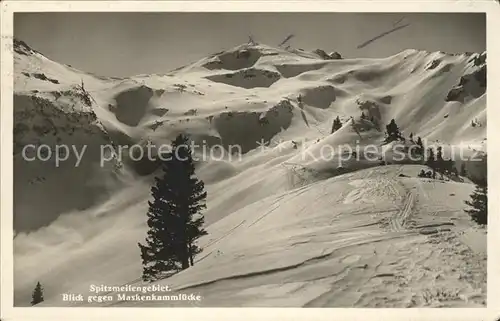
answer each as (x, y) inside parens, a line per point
(337, 123)
(478, 204)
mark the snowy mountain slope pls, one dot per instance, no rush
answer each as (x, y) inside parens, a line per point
(280, 218)
(50, 109)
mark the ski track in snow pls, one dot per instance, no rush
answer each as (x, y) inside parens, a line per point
(392, 269)
(398, 221)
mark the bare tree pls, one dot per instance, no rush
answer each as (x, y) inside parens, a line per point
(251, 41)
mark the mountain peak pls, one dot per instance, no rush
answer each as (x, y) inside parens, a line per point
(22, 48)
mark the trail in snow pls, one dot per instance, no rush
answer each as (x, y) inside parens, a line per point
(399, 220)
(366, 267)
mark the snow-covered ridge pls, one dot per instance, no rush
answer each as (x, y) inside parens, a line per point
(251, 93)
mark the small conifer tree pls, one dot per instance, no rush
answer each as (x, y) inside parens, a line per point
(420, 144)
(478, 204)
(392, 131)
(37, 296)
(463, 171)
(337, 124)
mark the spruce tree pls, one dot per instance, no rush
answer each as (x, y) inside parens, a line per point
(375, 122)
(393, 132)
(450, 166)
(431, 161)
(174, 218)
(420, 145)
(463, 171)
(363, 116)
(337, 124)
(478, 210)
(439, 164)
(37, 296)
(430, 158)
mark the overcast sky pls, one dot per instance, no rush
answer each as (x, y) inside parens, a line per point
(125, 44)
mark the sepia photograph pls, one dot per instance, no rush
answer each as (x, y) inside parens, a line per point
(250, 159)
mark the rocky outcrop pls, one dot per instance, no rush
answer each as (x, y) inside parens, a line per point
(20, 47)
(57, 158)
(473, 83)
(244, 57)
(247, 78)
(332, 56)
(335, 55)
(249, 130)
(132, 105)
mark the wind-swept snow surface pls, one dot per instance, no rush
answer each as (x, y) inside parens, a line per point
(291, 222)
